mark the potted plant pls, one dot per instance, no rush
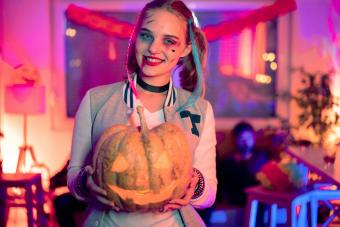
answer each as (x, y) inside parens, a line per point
(317, 104)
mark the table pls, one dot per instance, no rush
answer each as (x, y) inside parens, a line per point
(313, 158)
(290, 201)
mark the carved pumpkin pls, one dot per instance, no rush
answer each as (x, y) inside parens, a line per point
(141, 170)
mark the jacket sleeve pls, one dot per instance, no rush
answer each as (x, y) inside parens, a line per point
(205, 161)
(81, 145)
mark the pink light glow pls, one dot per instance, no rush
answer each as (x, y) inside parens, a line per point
(246, 53)
(242, 54)
(228, 55)
(25, 99)
(259, 48)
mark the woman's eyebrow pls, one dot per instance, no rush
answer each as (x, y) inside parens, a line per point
(166, 35)
(172, 36)
(145, 30)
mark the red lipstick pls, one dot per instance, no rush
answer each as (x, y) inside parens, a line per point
(152, 61)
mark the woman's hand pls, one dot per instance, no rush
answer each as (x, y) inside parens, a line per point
(185, 200)
(97, 192)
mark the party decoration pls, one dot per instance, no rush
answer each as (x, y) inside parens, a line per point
(111, 26)
(96, 21)
(265, 13)
(283, 176)
(142, 170)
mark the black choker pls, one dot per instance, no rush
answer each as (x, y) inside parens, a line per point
(151, 88)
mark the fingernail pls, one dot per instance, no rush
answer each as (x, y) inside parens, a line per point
(115, 208)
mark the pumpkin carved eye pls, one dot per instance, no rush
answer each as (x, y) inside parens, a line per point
(120, 164)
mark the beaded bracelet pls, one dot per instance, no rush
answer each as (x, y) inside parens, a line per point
(200, 184)
(80, 184)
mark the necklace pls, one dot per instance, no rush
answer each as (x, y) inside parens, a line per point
(151, 88)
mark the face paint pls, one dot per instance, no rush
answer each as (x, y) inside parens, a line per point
(160, 43)
(145, 36)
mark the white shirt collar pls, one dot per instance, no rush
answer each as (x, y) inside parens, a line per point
(130, 99)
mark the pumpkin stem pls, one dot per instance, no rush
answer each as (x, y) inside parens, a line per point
(143, 125)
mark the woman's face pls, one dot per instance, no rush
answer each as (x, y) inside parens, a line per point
(160, 42)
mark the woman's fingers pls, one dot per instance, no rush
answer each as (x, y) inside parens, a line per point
(107, 202)
(104, 200)
(194, 181)
(181, 202)
(169, 207)
(185, 200)
(96, 191)
(93, 187)
(191, 189)
(89, 169)
(100, 194)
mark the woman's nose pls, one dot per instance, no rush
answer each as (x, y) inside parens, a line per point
(155, 47)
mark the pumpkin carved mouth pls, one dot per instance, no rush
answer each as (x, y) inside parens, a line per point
(144, 197)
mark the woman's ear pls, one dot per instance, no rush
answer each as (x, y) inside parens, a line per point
(187, 50)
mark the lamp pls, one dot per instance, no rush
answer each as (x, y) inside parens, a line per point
(26, 99)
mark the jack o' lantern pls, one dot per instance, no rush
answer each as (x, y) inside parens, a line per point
(142, 170)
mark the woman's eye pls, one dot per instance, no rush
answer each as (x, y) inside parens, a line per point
(145, 36)
(169, 42)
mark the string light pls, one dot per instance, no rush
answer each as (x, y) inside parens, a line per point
(269, 56)
(75, 63)
(265, 56)
(71, 32)
(263, 78)
(273, 66)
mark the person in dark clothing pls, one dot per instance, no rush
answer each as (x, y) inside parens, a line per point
(65, 205)
(238, 171)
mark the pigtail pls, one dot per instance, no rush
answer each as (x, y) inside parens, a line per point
(193, 65)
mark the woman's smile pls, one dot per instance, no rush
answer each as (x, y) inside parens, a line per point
(152, 61)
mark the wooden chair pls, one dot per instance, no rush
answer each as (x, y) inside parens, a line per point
(32, 198)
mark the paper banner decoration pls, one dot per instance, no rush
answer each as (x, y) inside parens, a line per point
(111, 26)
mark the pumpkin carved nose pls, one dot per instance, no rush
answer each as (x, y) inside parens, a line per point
(120, 164)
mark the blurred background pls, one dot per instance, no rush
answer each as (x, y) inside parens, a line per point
(267, 60)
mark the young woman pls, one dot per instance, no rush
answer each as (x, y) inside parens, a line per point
(165, 37)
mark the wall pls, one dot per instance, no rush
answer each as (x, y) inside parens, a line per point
(311, 45)
(28, 37)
